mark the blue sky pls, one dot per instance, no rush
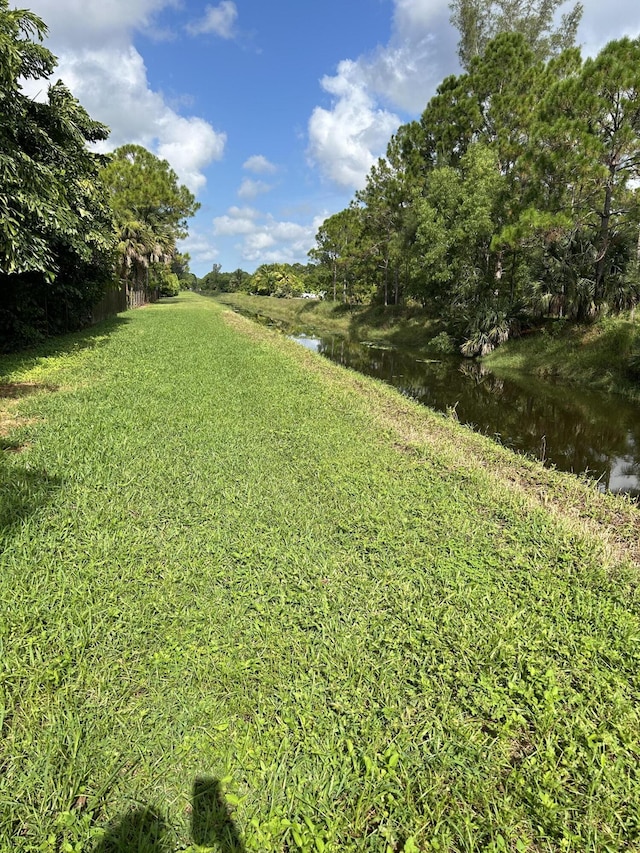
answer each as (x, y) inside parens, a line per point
(271, 112)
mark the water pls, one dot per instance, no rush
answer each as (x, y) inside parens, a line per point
(574, 429)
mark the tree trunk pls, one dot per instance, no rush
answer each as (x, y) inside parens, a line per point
(603, 239)
(386, 282)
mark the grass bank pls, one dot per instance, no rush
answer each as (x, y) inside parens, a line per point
(251, 601)
(398, 326)
(596, 355)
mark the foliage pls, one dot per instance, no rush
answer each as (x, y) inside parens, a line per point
(56, 230)
(225, 282)
(275, 280)
(391, 326)
(599, 355)
(166, 281)
(443, 343)
(289, 591)
(150, 207)
(345, 249)
(479, 21)
(514, 197)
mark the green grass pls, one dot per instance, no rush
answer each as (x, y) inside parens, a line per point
(401, 326)
(596, 355)
(251, 601)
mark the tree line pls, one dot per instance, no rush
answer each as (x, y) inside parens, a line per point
(73, 223)
(272, 279)
(514, 196)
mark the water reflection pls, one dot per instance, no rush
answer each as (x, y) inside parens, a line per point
(575, 429)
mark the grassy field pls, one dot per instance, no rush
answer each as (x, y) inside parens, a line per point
(250, 601)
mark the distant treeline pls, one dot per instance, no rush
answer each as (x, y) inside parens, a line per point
(283, 280)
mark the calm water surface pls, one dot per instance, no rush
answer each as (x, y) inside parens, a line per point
(574, 429)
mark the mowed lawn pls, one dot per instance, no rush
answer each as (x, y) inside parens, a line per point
(239, 612)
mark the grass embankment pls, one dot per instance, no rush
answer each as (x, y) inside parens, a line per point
(252, 601)
(596, 355)
(400, 326)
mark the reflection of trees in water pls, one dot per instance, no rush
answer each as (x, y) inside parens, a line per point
(572, 428)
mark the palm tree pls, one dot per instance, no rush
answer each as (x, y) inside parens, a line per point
(138, 248)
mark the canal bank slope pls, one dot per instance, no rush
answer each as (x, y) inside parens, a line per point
(605, 355)
(224, 560)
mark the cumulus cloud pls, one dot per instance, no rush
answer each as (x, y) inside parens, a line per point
(219, 20)
(347, 138)
(99, 63)
(266, 239)
(275, 241)
(420, 52)
(199, 247)
(259, 165)
(236, 221)
(189, 144)
(78, 24)
(251, 189)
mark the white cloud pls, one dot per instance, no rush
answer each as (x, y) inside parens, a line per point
(219, 20)
(256, 244)
(82, 24)
(251, 189)
(243, 212)
(199, 247)
(346, 139)
(189, 144)
(99, 63)
(259, 165)
(265, 239)
(235, 221)
(420, 53)
(275, 241)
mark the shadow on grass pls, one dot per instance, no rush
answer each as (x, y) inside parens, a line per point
(144, 829)
(211, 821)
(22, 491)
(89, 338)
(15, 390)
(169, 300)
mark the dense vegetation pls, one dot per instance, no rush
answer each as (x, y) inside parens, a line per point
(512, 198)
(275, 279)
(150, 210)
(73, 224)
(256, 602)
